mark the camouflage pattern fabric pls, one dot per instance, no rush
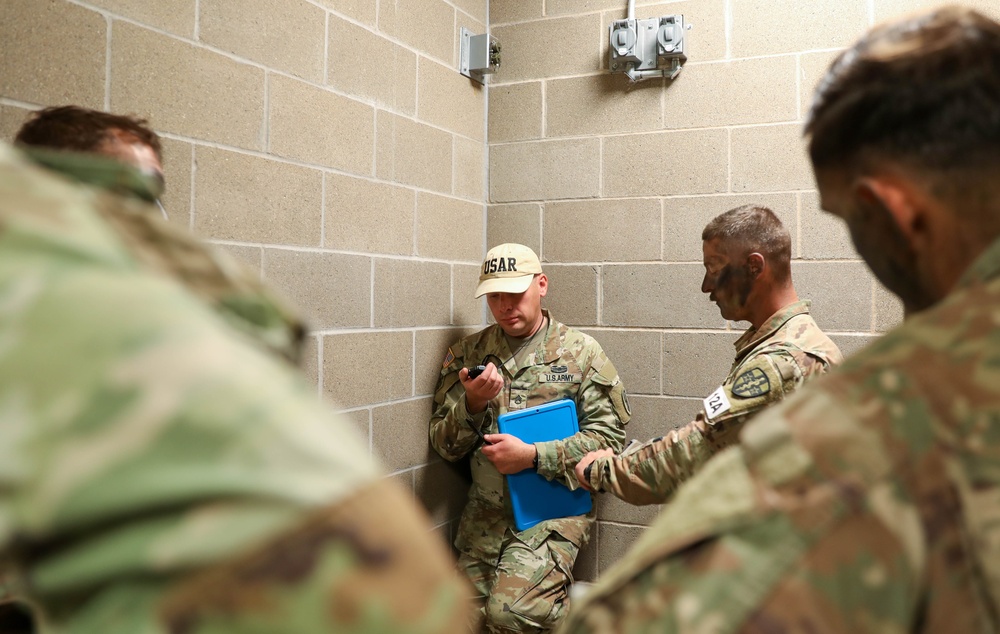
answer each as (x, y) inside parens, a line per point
(159, 472)
(869, 501)
(771, 362)
(587, 376)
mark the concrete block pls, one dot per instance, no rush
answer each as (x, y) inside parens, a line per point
(852, 344)
(449, 228)
(657, 295)
(812, 68)
(572, 296)
(365, 64)
(286, 35)
(431, 348)
(251, 257)
(549, 48)
(824, 236)
(466, 309)
(616, 540)
(770, 158)
(506, 11)
(37, 71)
(11, 120)
(611, 509)
(841, 293)
(694, 364)
(685, 218)
(426, 25)
(515, 223)
(185, 89)
(402, 150)
(729, 93)
(367, 367)
(251, 199)
(653, 417)
(888, 309)
(411, 293)
(443, 489)
(475, 8)
(399, 434)
(333, 290)
(891, 9)
(601, 104)
(636, 355)
(470, 169)
(178, 158)
(368, 216)
(310, 359)
(451, 101)
(360, 10)
(648, 165)
(602, 230)
(545, 170)
(176, 17)
(317, 126)
(769, 27)
(515, 112)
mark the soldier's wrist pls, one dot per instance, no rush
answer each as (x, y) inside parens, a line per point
(534, 461)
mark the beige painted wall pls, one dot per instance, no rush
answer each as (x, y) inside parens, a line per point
(331, 145)
(612, 183)
(328, 144)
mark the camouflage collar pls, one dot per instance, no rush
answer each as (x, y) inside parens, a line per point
(546, 351)
(753, 336)
(985, 267)
(98, 171)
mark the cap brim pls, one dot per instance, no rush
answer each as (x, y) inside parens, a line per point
(504, 285)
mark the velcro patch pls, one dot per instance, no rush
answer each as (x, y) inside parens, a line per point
(751, 383)
(448, 358)
(716, 403)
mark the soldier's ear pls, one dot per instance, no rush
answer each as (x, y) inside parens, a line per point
(543, 285)
(756, 264)
(905, 205)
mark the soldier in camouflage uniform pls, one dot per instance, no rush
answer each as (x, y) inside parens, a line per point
(161, 468)
(521, 578)
(869, 501)
(748, 275)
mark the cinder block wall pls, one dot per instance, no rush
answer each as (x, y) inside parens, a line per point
(330, 144)
(612, 183)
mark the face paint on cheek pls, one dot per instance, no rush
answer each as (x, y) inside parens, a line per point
(732, 290)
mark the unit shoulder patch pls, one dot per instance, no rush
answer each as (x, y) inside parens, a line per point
(751, 383)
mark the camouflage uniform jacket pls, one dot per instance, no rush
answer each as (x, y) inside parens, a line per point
(869, 501)
(158, 473)
(565, 364)
(771, 362)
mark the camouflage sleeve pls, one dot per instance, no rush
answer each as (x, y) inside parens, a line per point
(451, 426)
(146, 441)
(784, 533)
(603, 412)
(651, 472)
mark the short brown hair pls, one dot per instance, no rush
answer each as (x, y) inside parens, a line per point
(754, 228)
(82, 130)
(923, 91)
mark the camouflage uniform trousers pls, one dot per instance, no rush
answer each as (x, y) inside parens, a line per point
(528, 589)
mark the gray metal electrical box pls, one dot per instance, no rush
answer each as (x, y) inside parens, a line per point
(480, 55)
(652, 47)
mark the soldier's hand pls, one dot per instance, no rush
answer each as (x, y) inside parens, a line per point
(482, 389)
(581, 467)
(509, 454)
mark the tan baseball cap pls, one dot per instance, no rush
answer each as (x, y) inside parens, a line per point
(508, 268)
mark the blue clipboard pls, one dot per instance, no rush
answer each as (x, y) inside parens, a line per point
(534, 498)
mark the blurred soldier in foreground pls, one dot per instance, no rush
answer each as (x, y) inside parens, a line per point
(162, 467)
(869, 501)
(748, 274)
